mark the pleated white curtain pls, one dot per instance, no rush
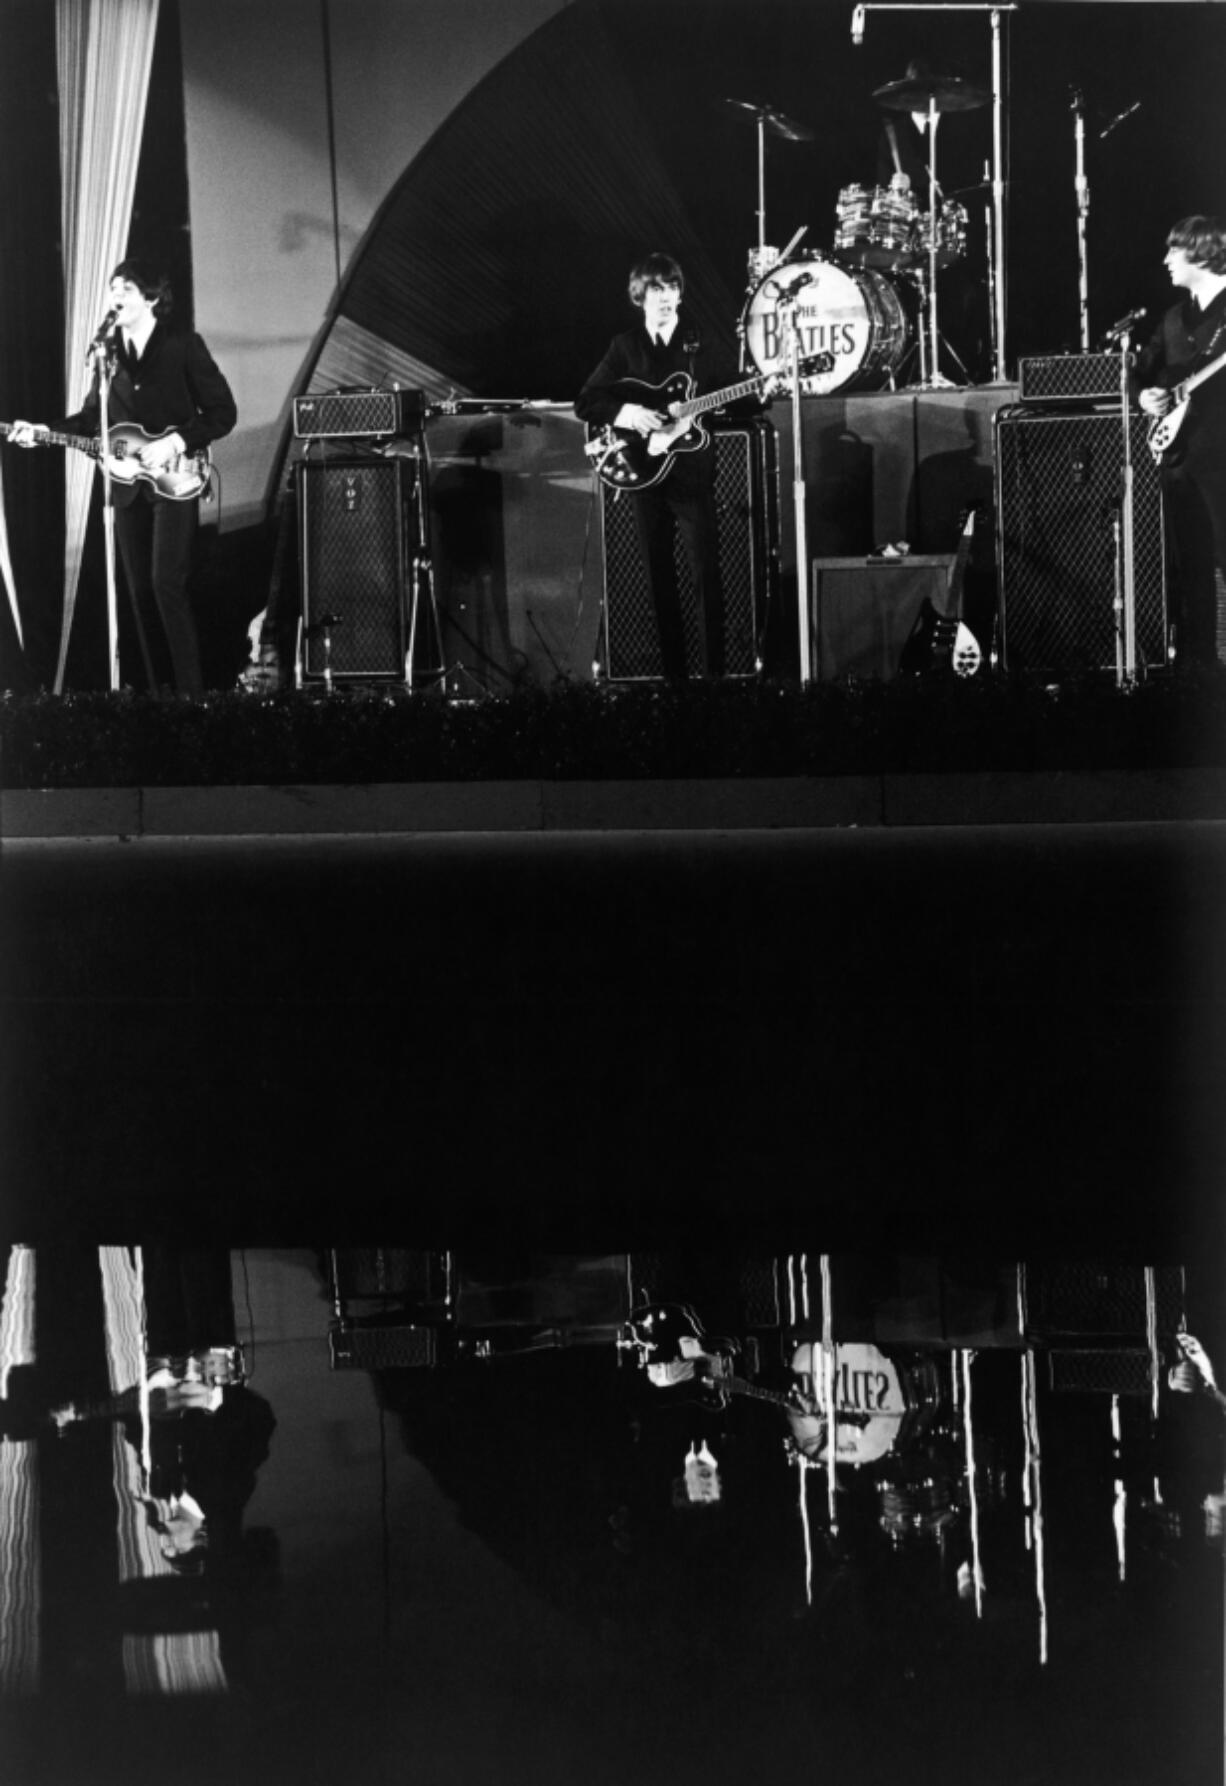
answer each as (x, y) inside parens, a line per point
(104, 50)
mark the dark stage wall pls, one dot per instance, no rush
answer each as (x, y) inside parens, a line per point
(517, 542)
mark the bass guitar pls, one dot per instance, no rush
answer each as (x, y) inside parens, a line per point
(182, 478)
(1163, 430)
(625, 460)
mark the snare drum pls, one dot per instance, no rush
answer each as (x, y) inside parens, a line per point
(951, 234)
(853, 314)
(876, 226)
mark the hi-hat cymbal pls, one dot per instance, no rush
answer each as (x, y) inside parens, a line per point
(947, 92)
(775, 121)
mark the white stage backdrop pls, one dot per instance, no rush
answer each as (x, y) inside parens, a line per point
(265, 228)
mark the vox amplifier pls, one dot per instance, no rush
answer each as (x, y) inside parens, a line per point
(356, 415)
(1069, 378)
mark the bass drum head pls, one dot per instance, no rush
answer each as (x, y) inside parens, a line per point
(854, 314)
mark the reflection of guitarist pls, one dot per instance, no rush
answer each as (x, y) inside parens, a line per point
(1190, 337)
(682, 504)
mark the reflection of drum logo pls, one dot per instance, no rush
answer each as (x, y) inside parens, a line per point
(855, 315)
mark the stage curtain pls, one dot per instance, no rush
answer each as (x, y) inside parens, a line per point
(104, 50)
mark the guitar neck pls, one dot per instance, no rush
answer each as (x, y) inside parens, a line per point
(1184, 390)
(697, 405)
(84, 443)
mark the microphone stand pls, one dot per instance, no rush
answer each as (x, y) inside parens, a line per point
(1082, 186)
(788, 307)
(1126, 648)
(101, 353)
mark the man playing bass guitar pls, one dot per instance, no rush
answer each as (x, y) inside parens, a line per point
(623, 394)
(1182, 352)
(168, 385)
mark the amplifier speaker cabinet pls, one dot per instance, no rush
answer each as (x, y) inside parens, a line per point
(355, 565)
(746, 497)
(1059, 481)
(1069, 378)
(353, 415)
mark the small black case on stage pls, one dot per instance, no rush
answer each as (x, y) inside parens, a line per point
(354, 415)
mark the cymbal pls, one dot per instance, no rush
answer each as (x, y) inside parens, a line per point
(778, 123)
(949, 93)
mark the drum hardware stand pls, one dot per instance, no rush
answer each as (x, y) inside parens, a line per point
(323, 628)
(996, 240)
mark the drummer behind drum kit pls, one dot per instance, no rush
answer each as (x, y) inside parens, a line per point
(861, 304)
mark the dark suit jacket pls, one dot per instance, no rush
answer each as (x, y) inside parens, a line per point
(634, 355)
(176, 383)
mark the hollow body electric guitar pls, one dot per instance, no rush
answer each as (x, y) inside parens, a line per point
(625, 460)
(182, 478)
(1163, 431)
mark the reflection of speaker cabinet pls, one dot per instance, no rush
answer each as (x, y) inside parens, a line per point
(746, 499)
(1059, 483)
(355, 564)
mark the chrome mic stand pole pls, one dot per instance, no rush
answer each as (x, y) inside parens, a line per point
(1082, 186)
(788, 310)
(100, 353)
(1127, 677)
(998, 199)
(934, 337)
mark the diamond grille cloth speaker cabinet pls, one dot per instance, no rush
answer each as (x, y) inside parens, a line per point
(744, 495)
(355, 565)
(1058, 487)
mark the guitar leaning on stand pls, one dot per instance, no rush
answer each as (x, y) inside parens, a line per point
(625, 460)
(182, 478)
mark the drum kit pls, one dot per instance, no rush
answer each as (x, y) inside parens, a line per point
(871, 303)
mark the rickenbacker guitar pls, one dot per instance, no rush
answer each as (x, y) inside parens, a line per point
(182, 478)
(625, 460)
(1163, 430)
(954, 645)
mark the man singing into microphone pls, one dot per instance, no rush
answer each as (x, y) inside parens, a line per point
(621, 392)
(1190, 336)
(169, 385)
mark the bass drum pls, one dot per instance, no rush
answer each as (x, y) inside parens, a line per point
(854, 314)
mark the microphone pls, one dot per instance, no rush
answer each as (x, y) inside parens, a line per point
(691, 342)
(787, 291)
(1076, 99)
(1126, 323)
(1119, 118)
(104, 328)
(857, 25)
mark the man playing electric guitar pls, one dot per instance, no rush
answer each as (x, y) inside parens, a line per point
(682, 502)
(1191, 335)
(168, 385)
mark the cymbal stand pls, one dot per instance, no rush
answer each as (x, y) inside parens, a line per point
(935, 377)
(998, 178)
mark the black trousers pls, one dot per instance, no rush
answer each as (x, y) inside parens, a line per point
(155, 538)
(1195, 495)
(683, 506)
